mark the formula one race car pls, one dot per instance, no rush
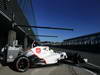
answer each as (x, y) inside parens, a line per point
(42, 55)
(21, 60)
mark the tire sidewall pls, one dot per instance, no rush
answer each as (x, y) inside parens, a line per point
(17, 62)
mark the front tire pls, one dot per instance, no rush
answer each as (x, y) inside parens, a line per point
(22, 64)
(78, 59)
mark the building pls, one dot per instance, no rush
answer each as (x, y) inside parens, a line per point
(10, 16)
(90, 39)
(86, 43)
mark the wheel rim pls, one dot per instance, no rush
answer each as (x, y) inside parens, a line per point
(22, 64)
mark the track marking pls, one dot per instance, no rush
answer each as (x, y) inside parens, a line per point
(90, 71)
(94, 65)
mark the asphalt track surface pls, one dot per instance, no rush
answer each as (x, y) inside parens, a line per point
(63, 69)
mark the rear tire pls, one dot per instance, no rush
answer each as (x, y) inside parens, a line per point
(22, 64)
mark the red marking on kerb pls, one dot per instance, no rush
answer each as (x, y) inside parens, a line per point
(38, 50)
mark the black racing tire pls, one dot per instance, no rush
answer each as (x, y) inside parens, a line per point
(75, 58)
(22, 64)
(78, 59)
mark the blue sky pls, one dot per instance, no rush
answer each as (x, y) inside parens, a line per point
(82, 15)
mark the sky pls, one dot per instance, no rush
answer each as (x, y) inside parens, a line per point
(81, 15)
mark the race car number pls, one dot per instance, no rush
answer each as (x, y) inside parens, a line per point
(38, 50)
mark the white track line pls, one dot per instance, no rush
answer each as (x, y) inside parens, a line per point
(94, 65)
(90, 72)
